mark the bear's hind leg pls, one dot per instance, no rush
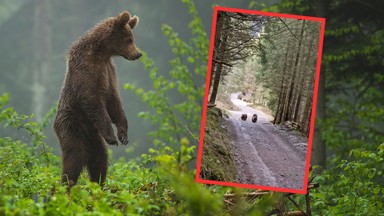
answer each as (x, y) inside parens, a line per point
(73, 161)
(97, 163)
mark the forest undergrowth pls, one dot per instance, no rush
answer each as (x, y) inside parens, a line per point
(157, 183)
(150, 185)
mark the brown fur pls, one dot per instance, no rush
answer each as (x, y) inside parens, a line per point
(90, 102)
(254, 118)
(244, 117)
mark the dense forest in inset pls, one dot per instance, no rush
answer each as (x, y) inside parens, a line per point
(271, 58)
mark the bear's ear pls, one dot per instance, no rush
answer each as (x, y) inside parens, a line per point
(122, 19)
(133, 22)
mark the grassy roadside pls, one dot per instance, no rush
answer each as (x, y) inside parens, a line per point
(217, 161)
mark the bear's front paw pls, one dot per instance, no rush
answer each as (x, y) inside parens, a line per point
(111, 140)
(123, 137)
(124, 140)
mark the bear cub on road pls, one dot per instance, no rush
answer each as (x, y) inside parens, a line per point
(90, 102)
(254, 118)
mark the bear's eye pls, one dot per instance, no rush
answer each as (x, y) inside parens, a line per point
(129, 40)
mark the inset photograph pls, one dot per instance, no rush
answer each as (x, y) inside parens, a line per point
(260, 100)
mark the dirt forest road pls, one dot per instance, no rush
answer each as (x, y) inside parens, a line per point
(265, 154)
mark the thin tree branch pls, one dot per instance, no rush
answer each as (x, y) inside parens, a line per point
(221, 62)
(288, 28)
(297, 206)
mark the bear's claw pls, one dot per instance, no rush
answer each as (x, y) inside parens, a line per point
(124, 140)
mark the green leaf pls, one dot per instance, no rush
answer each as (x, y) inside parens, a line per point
(371, 173)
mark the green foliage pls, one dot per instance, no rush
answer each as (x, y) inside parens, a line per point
(9, 117)
(356, 189)
(177, 117)
(193, 198)
(19, 162)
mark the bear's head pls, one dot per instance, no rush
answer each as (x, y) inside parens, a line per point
(122, 42)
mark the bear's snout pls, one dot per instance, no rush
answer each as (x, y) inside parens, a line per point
(132, 53)
(138, 55)
(132, 57)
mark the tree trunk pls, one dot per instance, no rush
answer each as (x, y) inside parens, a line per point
(279, 109)
(216, 82)
(288, 78)
(221, 38)
(297, 108)
(295, 71)
(318, 145)
(304, 84)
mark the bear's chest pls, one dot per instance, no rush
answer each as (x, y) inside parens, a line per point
(110, 78)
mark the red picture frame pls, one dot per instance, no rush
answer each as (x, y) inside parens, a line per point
(317, 77)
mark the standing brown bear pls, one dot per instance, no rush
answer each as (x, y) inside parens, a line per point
(90, 102)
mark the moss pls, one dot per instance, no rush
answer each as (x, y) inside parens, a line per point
(217, 161)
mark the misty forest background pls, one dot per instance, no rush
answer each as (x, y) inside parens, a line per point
(163, 97)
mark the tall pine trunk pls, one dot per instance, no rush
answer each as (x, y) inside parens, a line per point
(318, 146)
(280, 104)
(221, 38)
(295, 71)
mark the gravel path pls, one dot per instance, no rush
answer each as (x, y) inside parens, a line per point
(265, 154)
